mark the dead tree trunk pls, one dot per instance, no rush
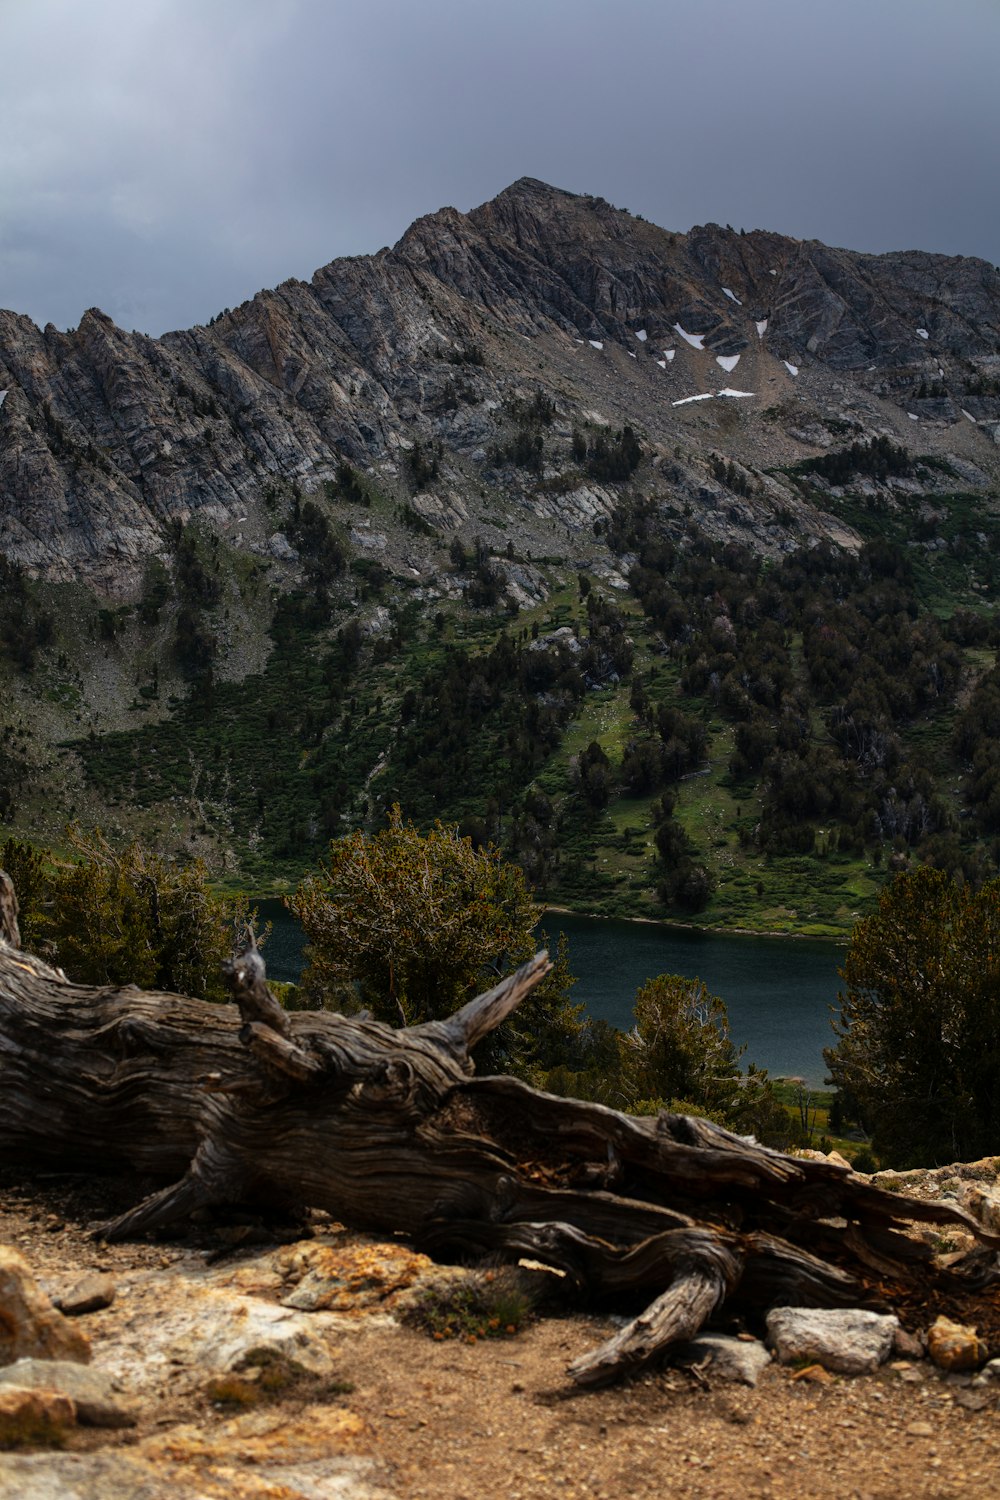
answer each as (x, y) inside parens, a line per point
(389, 1131)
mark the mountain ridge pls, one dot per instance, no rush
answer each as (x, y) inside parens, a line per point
(107, 437)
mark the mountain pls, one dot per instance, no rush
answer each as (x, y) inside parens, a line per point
(546, 417)
(106, 436)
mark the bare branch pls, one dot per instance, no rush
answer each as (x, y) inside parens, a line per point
(485, 1013)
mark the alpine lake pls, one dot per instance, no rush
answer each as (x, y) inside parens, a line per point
(781, 993)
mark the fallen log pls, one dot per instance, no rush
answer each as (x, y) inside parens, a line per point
(389, 1130)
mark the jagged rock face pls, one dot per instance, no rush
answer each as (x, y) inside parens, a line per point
(107, 437)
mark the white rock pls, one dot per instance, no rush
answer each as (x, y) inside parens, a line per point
(281, 548)
(848, 1340)
(369, 541)
(739, 1360)
(982, 1200)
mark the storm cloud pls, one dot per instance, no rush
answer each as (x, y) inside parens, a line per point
(165, 159)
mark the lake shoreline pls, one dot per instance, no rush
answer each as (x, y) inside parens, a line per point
(666, 923)
(672, 926)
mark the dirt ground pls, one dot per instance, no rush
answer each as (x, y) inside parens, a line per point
(455, 1420)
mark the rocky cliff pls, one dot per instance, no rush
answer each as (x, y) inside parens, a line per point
(106, 437)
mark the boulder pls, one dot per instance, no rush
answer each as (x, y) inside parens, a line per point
(847, 1340)
(734, 1359)
(907, 1345)
(90, 1390)
(93, 1293)
(281, 548)
(29, 1324)
(30, 1417)
(982, 1201)
(954, 1346)
(349, 1278)
(321, 1451)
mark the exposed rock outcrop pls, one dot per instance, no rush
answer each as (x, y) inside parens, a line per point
(108, 437)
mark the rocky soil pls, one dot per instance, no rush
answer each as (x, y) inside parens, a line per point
(264, 1365)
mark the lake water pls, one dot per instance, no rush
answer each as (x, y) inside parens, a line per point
(779, 991)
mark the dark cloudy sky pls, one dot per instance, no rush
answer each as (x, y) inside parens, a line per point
(162, 159)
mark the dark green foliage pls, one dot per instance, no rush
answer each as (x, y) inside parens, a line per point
(531, 838)
(918, 1060)
(538, 411)
(820, 680)
(26, 868)
(26, 627)
(680, 1056)
(315, 538)
(649, 764)
(194, 643)
(414, 521)
(546, 1030)
(197, 573)
(126, 917)
(372, 577)
(323, 552)
(608, 651)
(422, 464)
(615, 457)
(278, 751)
(874, 664)
(594, 771)
(525, 449)
(977, 743)
(155, 592)
(15, 776)
(412, 926)
(481, 725)
(731, 476)
(351, 485)
(684, 882)
(486, 585)
(879, 458)
(417, 924)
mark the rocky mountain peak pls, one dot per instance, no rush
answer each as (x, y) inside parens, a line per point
(107, 437)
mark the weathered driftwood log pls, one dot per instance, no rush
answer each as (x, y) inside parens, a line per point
(390, 1131)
